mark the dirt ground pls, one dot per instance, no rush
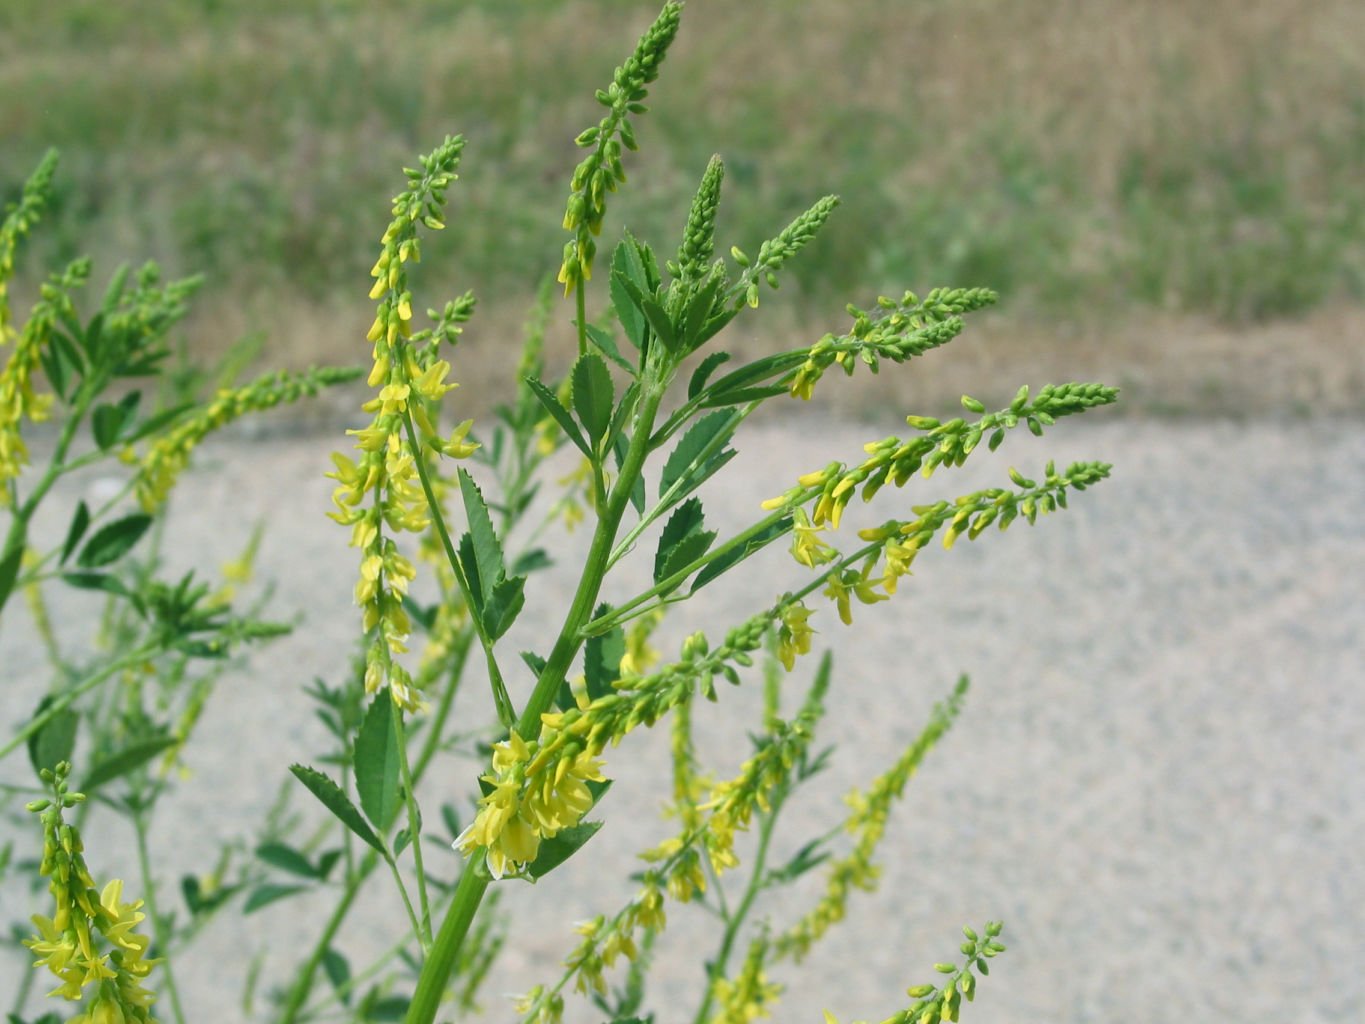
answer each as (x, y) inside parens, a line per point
(1156, 783)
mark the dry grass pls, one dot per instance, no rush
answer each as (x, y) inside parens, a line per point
(1131, 176)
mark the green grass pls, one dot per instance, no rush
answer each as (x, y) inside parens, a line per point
(1089, 161)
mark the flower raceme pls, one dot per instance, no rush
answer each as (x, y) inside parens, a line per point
(383, 488)
(68, 943)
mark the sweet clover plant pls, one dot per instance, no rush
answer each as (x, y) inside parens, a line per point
(649, 411)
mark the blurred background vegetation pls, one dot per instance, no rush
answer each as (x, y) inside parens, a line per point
(1168, 195)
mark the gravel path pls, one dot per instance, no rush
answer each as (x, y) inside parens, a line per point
(1158, 782)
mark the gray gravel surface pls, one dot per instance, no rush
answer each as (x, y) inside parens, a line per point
(1158, 781)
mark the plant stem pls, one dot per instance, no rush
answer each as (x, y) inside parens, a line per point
(504, 704)
(62, 702)
(414, 827)
(163, 940)
(474, 879)
(581, 303)
(302, 987)
(733, 922)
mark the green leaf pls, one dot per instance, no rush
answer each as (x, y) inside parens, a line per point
(113, 541)
(606, 344)
(688, 519)
(561, 415)
(626, 267)
(267, 894)
(697, 314)
(742, 396)
(79, 522)
(488, 556)
(602, 658)
(200, 902)
(126, 760)
(109, 420)
(637, 490)
(155, 422)
(338, 972)
(376, 764)
(286, 858)
(712, 570)
(686, 462)
(703, 371)
(504, 605)
(660, 323)
(390, 1008)
(56, 740)
(110, 584)
(337, 802)
(593, 395)
(625, 409)
(683, 540)
(559, 848)
(9, 568)
(685, 552)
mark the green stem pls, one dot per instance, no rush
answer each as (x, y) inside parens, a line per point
(62, 702)
(506, 713)
(304, 983)
(17, 534)
(163, 940)
(474, 879)
(414, 829)
(623, 612)
(302, 987)
(733, 922)
(581, 304)
(667, 499)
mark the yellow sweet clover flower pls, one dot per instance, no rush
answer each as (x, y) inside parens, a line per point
(170, 453)
(18, 399)
(851, 583)
(640, 657)
(382, 488)
(69, 943)
(750, 994)
(869, 812)
(794, 635)
(807, 547)
(526, 807)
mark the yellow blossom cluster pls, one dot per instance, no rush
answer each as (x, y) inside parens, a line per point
(524, 807)
(868, 814)
(168, 456)
(382, 488)
(18, 399)
(747, 996)
(90, 938)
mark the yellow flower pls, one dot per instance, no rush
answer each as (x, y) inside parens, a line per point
(848, 584)
(807, 547)
(794, 636)
(525, 808)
